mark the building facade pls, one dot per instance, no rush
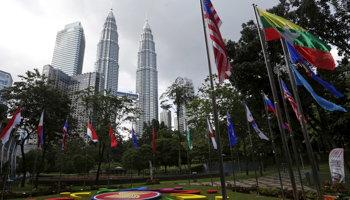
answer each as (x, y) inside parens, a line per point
(108, 54)
(68, 55)
(147, 79)
(188, 84)
(5, 81)
(165, 116)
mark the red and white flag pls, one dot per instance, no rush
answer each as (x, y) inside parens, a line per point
(113, 140)
(212, 135)
(40, 130)
(221, 59)
(91, 133)
(16, 118)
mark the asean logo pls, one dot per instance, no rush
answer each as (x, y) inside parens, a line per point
(128, 195)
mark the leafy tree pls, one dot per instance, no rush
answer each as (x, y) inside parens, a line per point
(104, 109)
(35, 94)
(81, 161)
(30, 159)
(180, 96)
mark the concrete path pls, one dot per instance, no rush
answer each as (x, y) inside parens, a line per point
(268, 181)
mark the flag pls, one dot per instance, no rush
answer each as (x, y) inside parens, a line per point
(231, 134)
(40, 130)
(212, 135)
(309, 46)
(321, 101)
(289, 97)
(64, 135)
(251, 120)
(270, 107)
(91, 133)
(154, 141)
(296, 57)
(221, 59)
(113, 141)
(189, 139)
(16, 118)
(134, 138)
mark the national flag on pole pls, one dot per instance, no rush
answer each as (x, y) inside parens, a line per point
(212, 135)
(189, 139)
(40, 130)
(113, 140)
(296, 57)
(16, 118)
(64, 135)
(309, 46)
(134, 138)
(91, 133)
(221, 59)
(231, 134)
(321, 101)
(289, 97)
(154, 140)
(251, 120)
(270, 107)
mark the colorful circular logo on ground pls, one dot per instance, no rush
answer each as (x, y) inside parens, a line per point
(128, 195)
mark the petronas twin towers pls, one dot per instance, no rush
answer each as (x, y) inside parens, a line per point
(146, 74)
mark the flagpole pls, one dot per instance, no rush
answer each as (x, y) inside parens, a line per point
(303, 126)
(109, 164)
(85, 166)
(34, 169)
(292, 138)
(273, 143)
(233, 169)
(59, 182)
(188, 166)
(209, 158)
(251, 147)
(277, 107)
(216, 120)
(132, 159)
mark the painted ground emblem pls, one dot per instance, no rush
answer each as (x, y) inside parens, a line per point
(128, 195)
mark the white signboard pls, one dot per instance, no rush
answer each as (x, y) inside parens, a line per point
(336, 165)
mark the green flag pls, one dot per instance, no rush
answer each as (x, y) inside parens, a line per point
(189, 139)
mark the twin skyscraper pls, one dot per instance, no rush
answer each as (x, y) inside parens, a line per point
(69, 55)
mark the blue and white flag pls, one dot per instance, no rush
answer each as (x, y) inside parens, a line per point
(251, 120)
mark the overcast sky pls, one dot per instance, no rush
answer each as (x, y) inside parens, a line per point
(29, 28)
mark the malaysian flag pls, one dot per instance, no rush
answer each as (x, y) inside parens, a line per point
(221, 60)
(289, 97)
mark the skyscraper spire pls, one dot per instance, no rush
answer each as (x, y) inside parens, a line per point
(147, 78)
(108, 54)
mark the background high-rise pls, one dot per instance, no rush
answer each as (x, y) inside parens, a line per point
(68, 55)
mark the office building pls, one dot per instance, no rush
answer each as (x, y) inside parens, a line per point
(5, 81)
(165, 116)
(68, 55)
(147, 79)
(108, 54)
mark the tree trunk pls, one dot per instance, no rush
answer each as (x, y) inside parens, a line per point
(40, 166)
(101, 149)
(24, 172)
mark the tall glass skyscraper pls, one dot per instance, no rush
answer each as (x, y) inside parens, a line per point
(68, 55)
(147, 79)
(108, 54)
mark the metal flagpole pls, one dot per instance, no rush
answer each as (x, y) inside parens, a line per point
(132, 159)
(109, 164)
(209, 158)
(292, 138)
(233, 169)
(277, 107)
(85, 166)
(273, 144)
(251, 147)
(36, 158)
(59, 182)
(188, 166)
(305, 133)
(216, 120)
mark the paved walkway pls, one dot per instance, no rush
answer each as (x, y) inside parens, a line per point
(268, 181)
